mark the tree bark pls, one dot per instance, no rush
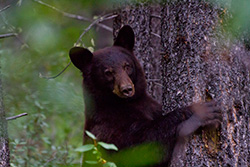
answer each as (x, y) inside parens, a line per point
(4, 144)
(199, 63)
(147, 45)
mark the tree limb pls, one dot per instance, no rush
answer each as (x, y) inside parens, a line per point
(6, 7)
(53, 77)
(17, 116)
(73, 16)
(12, 29)
(8, 35)
(100, 19)
(78, 17)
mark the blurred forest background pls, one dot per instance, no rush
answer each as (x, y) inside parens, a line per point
(40, 46)
(41, 38)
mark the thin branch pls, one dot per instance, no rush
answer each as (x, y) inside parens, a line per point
(158, 84)
(8, 35)
(17, 116)
(5, 8)
(100, 19)
(62, 12)
(73, 16)
(157, 35)
(78, 17)
(12, 29)
(53, 157)
(105, 17)
(53, 77)
(156, 16)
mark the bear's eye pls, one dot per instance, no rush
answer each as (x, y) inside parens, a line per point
(128, 68)
(108, 73)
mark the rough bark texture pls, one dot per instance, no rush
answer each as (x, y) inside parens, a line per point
(199, 63)
(4, 147)
(202, 64)
(147, 45)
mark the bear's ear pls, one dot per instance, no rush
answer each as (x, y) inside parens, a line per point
(125, 38)
(80, 57)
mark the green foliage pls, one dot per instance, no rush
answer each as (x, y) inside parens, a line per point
(92, 136)
(96, 152)
(235, 17)
(142, 155)
(52, 131)
(85, 148)
(108, 146)
(53, 128)
(100, 154)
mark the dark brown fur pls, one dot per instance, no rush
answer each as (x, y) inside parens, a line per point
(127, 118)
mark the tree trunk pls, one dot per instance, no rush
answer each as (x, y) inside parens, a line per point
(4, 145)
(147, 45)
(199, 63)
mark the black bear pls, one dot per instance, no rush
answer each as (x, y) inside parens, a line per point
(118, 108)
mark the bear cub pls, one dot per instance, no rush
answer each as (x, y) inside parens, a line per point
(118, 108)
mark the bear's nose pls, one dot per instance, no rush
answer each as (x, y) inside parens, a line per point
(127, 90)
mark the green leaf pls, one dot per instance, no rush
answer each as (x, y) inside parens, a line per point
(109, 164)
(85, 148)
(92, 136)
(92, 162)
(91, 49)
(19, 3)
(108, 146)
(95, 152)
(92, 42)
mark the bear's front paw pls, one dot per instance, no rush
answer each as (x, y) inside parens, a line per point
(207, 113)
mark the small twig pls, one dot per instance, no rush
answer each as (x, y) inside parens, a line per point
(53, 157)
(12, 29)
(158, 84)
(157, 35)
(53, 77)
(6, 7)
(78, 17)
(156, 16)
(8, 35)
(17, 116)
(73, 16)
(100, 19)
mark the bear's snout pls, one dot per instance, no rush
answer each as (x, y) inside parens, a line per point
(124, 91)
(127, 90)
(123, 86)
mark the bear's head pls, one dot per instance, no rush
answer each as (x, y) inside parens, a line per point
(112, 71)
